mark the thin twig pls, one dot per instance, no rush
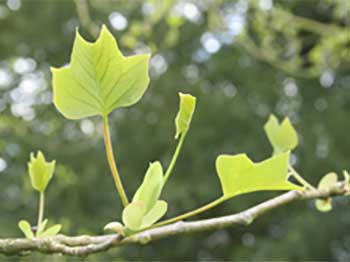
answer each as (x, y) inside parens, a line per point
(85, 245)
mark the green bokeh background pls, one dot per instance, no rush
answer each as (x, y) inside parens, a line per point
(295, 69)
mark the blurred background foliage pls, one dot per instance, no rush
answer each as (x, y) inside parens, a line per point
(242, 59)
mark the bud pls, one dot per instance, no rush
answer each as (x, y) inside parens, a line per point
(40, 171)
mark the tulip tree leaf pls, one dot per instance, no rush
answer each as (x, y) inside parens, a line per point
(41, 228)
(184, 115)
(151, 187)
(51, 231)
(26, 229)
(146, 208)
(282, 137)
(329, 180)
(40, 171)
(133, 214)
(99, 78)
(239, 175)
(157, 211)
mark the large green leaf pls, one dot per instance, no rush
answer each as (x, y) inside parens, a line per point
(282, 137)
(151, 187)
(40, 171)
(99, 78)
(184, 115)
(239, 175)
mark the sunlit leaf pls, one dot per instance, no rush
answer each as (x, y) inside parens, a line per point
(157, 211)
(239, 175)
(329, 180)
(133, 214)
(99, 78)
(282, 137)
(40, 171)
(26, 229)
(51, 231)
(151, 187)
(184, 115)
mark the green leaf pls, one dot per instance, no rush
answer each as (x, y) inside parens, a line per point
(282, 137)
(26, 228)
(151, 187)
(133, 214)
(184, 115)
(329, 180)
(239, 175)
(99, 78)
(40, 171)
(51, 231)
(158, 210)
(41, 228)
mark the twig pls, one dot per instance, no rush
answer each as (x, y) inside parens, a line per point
(85, 245)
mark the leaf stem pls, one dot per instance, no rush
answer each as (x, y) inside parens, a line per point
(300, 179)
(41, 209)
(192, 213)
(175, 156)
(111, 162)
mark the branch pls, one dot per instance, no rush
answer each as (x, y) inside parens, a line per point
(85, 245)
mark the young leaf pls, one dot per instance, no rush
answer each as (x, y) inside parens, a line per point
(40, 171)
(184, 115)
(151, 187)
(99, 78)
(41, 228)
(329, 180)
(239, 175)
(157, 211)
(51, 231)
(26, 229)
(282, 137)
(133, 214)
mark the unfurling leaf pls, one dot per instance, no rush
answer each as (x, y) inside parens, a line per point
(329, 180)
(99, 78)
(184, 115)
(239, 175)
(146, 208)
(40, 171)
(151, 187)
(41, 228)
(282, 137)
(26, 228)
(51, 231)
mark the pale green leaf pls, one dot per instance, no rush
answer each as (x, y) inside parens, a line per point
(133, 214)
(157, 211)
(99, 78)
(282, 137)
(51, 231)
(40, 171)
(26, 229)
(184, 115)
(239, 175)
(329, 180)
(151, 187)
(41, 228)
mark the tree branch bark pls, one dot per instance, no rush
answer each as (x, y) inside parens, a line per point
(85, 245)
